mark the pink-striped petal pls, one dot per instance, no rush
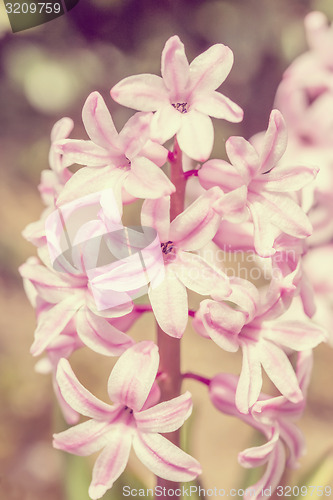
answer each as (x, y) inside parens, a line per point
(83, 152)
(277, 366)
(155, 152)
(272, 476)
(52, 322)
(175, 67)
(170, 295)
(156, 214)
(78, 397)
(232, 206)
(196, 135)
(250, 380)
(133, 375)
(143, 92)
(209, 69)
(61, 129)
(197, 225)
(165, 417)
(98, 122)
(284, 213)
(165, 459)
(295, 442)
(222, 323)
(219, 173)
(297, 335)
(111, 462)
(166, 123)
(258, 455)
(200, 276)
(244, 157)
(101, 336)
(83, 439)
(285, 178)
(217, 105)
(92, 180)
(274, 142)
(147, 180)
(264, 232)
(135, 134)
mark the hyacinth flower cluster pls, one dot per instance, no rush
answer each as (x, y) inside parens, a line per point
(86, 299)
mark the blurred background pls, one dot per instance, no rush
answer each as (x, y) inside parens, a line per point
(46, 73)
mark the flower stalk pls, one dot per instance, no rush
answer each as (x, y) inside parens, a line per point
(169, 347)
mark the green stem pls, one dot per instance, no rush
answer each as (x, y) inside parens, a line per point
(169, 347)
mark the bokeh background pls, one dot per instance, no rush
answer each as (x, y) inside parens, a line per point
(47, 73)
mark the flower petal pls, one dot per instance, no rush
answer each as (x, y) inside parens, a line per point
(156, 214)
(167, 416)
(111, 463)
(83, 152)
(78, 397)
(170, 295)
(165, 459)
(143, 92)
(200, 276)
(98, 122)
(217, 105)
(196, 135)
(147, 180)
(101, 336)
(264, 233)
(133, 375)
(135, 134)
(92, 180)
(284, 213)
(175, 67)
(244, 157)
(197, 225)
(250, 380)
(286, 178)
(277, 366)
(222, 323)
(297, 335)
(165, 123)
(52, 322)
(83, 439)
(219, 173)
(209, 69)
(274, 142)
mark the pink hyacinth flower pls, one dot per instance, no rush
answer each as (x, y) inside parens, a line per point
(62, 298)
(128, 159)
(264, 343)
(184, 98)
(274, 418)
(132, 420)
(188, 232)
(256, 183)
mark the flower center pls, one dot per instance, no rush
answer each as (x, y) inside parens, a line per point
(167, 247)
(126, 165)
(181, 107)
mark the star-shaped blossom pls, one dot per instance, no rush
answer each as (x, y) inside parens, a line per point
(134, 419)
(128, 159)
(256, 184)
(188, 232)
(62, 299)
(184, 98)
(264, 341)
